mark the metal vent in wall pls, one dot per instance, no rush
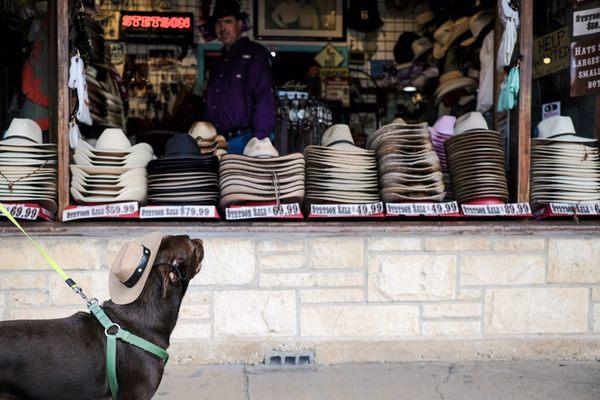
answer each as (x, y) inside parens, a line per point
(289, 358)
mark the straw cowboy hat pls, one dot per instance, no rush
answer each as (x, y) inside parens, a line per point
(260, 148)
(453, 80)
(131, 268)
(339, 137)
(476, 24)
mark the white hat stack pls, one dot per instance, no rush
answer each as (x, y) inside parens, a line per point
(564, 167)
(28, 166)
(113, 170)
(340, 172)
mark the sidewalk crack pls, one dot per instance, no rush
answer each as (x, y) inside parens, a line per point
(450, 372)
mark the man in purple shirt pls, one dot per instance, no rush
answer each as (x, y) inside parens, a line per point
(240, 101)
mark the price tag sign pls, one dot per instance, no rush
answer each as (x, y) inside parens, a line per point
(426, 209)
(497, 210)
(283, 211)
(586, 22)
(346, 210)
(23, 211)
(149, 212)
(587, 208)
(112, 210)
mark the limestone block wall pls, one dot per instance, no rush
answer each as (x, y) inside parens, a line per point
(379, 297)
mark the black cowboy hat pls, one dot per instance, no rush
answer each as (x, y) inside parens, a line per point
(224, 8)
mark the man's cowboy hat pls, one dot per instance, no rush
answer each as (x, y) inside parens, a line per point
(560, 129)
(24, 132)
(260, 148)
(131, 268)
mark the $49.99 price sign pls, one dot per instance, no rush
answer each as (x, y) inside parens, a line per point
(346, 210)
(426, 209)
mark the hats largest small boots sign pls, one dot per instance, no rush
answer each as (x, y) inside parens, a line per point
(585, 53)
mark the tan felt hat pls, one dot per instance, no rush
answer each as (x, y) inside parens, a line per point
(131, 268)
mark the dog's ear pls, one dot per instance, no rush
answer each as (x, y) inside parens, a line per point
(170, 274)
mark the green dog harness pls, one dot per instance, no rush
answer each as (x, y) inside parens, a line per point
(111, 345)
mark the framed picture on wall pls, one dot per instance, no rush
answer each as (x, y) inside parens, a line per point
(300, 19)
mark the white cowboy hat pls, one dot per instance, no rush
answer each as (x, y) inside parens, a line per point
(470, 121)
(559, 129)
(476, 24)
(203, 130)
(114, 141)
(24, 132)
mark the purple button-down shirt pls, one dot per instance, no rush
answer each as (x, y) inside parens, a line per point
(239, 94)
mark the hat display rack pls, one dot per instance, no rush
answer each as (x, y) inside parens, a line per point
(339, 172)
(261, 176)
(28, 166)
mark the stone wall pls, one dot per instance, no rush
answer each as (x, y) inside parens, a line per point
(349, 298)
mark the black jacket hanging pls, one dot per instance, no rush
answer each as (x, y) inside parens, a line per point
(363, 15)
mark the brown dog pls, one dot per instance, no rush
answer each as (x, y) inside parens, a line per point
(66, 358)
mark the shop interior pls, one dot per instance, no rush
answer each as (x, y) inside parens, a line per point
(372, 102)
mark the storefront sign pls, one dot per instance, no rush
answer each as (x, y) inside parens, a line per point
(156, 27)
(586, 22)
(425, 209)
(551, 53)
(497, 210)
(346, 210)
(112, 210)
(550, 109)
(585, 67)
(203, 212)
(282, 211)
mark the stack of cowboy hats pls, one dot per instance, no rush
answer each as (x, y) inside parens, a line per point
(112, 170)
(476, 161)
(409, 168)
(442, 130)
(183, 175)
(208, 141)
(28, 166)
(260, 175)
(340, 172)
(564, 167)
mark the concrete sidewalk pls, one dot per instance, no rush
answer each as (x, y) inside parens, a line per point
(397, 381)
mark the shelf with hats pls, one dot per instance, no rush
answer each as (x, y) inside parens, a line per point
(28, 171)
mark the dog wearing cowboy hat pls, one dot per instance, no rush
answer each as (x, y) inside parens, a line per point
(66, 358)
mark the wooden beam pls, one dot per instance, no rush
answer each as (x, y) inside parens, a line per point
(524, 111)
(59, 106)
(597, 119)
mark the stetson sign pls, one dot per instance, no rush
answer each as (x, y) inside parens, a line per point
(157, 27)
(585, 66)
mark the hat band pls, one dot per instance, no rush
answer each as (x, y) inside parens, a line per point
(340, 142)
(139, 270)
(21, 137)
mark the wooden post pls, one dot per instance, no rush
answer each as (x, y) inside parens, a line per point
(58, 17)
(597, 119)
(524, 112)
